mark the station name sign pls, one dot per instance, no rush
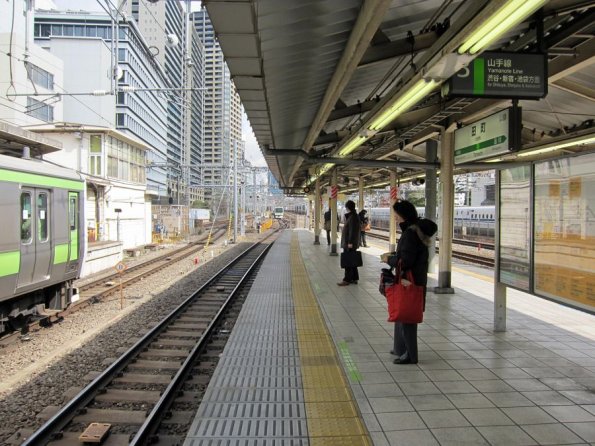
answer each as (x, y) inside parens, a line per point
(501, 75)
(494, 135)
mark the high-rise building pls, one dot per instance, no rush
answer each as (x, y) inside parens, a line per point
(179, 51)
(142, 114)
(222, 110)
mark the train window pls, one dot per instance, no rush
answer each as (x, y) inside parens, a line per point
(72, 213)
(42, 217)
(25, 217)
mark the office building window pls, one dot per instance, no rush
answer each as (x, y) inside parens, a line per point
(40, 110)
(39, 76)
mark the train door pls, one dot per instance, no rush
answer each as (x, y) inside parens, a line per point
(27, 225)
(43, 251)
(73, 224)
(35, 236)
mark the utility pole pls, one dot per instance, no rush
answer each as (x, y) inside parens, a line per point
(235, 191)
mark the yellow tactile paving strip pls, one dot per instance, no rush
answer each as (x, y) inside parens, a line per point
(331, 412)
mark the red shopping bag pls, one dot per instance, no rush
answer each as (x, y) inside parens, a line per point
(405, 302)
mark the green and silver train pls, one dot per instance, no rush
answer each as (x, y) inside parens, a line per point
(41, 238)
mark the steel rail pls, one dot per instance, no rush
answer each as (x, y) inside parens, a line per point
(52, 428)
(151, 424)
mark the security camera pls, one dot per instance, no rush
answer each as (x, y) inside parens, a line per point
(418, 182)
(171, 40)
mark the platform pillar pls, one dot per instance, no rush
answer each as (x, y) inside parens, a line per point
(392, 222)
(360, 204)
(431, 191)
(317, 204)
(334, 214)
(446, 225)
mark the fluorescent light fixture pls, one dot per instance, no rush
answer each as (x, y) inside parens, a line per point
(585, 140)
(403, 103)
(509, 15)
(352, 145)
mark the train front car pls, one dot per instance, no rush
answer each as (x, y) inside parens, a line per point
(278, 212)
(41, 242)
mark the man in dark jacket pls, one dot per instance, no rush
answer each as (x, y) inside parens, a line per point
(350, 239)
(364, 226)
(412, 252)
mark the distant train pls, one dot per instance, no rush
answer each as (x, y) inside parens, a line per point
(41, 242)
(278, 212)
(468, 220)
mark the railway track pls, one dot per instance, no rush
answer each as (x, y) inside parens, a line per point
(151, 391)
(101, 288)
(465, 256)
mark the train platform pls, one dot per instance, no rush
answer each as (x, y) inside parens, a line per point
(308, 363)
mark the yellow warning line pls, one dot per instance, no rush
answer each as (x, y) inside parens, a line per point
(474, 274)
(331, 411)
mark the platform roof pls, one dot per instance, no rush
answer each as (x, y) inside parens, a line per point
(312, 73)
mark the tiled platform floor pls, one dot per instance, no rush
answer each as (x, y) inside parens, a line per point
(534, 384)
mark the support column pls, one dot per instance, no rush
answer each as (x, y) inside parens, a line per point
(430, 192)
(499, 288)
(360, 204)
(392, 226)
(317, 205)
(446, 180)
(334, 215)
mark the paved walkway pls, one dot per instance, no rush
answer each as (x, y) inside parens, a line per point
(534, 384)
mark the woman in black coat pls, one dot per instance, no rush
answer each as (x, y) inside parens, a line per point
(412, 251)
(350, 239)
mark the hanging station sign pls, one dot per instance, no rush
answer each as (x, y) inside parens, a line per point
(494, 135)
(501, 75)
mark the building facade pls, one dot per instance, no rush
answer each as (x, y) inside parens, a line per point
(30, 77)
(141, 114)
(113, 164)
(222, 111)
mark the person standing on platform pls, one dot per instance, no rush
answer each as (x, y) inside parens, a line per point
(412, 252)
(350, 239)
(364, 226)
(327, 226)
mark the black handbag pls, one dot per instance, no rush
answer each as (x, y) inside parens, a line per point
(351, 259)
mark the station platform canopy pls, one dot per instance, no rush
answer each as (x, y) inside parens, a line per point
(360, 84)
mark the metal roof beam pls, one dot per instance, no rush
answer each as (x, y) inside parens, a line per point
(575, 88)
(562, 66)
(400, 47)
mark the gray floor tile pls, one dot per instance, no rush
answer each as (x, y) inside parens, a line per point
(477, 374)
(570, 414)
(421, 437)
(542, 372)
(562, 383)
(419, 388)
(550, 434)
(508, 399)
(510, 373)
(434, 364)
(371, 422)
(470, 400)
(404, 376)
(379, 439)
(526, 385)
(443, 418)
(390, 404)
(430, 402)
(397, 421)
(492, 385)
(547, 398)
(584, 430)
(486, 417)
(458, 436)
(506, 436)
(455, 387)
(443, 375)
(381, 390)
(528, 415)
(453, 354)
(579, 396)
(589, 408)
(460, 364)
(376, 378)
